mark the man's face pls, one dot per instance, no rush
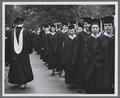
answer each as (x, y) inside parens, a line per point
(79, 29)
(71, 31)
(95, 29)
(46, 29)
(86, 25)
(108, 27)
(52, 29)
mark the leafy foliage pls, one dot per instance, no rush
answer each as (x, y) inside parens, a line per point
(37, 15)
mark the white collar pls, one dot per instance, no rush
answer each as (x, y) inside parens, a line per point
(96, 35)
(109, 35)
(53, 33)
(47, 32)
(72, 37)
(87, 31)
(84, 30)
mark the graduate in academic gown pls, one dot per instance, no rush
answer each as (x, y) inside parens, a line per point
(40, 36)
(20, 71)
(73, 23)
(35, 41)
(44, 37)
(79, 28)
(70, 51)
(45, 44)
(62, 33)
(105, 58)
(59, 47)
(41, 41)
(82, 52)
(64, 36)
(38, 40)
(65, 30)
(91, 65)
(52, 49)
(33, 36)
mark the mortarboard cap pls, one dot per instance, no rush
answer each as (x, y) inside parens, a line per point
(71, 27)
(52, 25)
(45, 26)
(65, 23)
(72, 22)
(80, 25)
(108, 19)
(95, 21)
(87, 19)
(18, 20)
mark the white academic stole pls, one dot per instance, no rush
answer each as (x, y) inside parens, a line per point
(18, 46)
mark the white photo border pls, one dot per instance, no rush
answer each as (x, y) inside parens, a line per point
(61, 3)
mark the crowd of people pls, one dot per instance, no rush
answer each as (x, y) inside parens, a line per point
(82, 53)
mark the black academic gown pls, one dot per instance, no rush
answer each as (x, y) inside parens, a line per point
(64, 36)
(7, 45)
(69, 57)
(42, 42)
(44, 38)
(91, 65)
(52, 51)
(37, 44)
(46, 47)
(105, 65)
(59, 49)
(33, 37)
(82, 59)
(20, 71)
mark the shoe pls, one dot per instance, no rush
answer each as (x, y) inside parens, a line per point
(53, 74)
(60, 73)
(15, 85)
(23, 86)
(80, 91)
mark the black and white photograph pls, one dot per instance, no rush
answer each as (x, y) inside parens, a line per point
(60, 48)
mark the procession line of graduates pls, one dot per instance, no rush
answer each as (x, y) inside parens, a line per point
(82, 52)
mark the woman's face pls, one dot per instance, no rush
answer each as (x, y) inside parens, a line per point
(108, 27)
(86, 26)
(95, 29)
(52, 29)
(46, 29)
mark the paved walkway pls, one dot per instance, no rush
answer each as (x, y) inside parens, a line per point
(43, 82)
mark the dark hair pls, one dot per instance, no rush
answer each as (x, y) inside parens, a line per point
(94, 24)
(52, 27)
